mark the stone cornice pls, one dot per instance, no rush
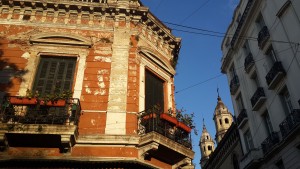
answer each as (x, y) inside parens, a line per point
(104, 10)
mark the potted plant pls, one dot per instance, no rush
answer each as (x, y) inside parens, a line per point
(29, 99)
(169, 118)
(186, 121)
(55, 99)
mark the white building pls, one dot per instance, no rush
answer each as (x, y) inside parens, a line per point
(261, 58)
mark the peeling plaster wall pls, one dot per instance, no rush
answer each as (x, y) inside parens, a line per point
(116, 110)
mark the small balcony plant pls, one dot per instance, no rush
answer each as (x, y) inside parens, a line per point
(55, 99)
(29, 99)
(181, 120)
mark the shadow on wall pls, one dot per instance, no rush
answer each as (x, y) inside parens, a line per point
(11, 73)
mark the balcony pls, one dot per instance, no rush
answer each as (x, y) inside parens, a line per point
(290, 123)
(32, 120)
(163, 134)
(251, 159)
(263, 37)
(269, 143)
(258, 98)
(275, 75)
(249, 63)
(241, 23)
(234, 84)
(242, 118)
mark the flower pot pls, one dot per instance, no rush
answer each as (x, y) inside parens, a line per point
(149, 116)
(22, 101)
(168, 118)
(184, 127)
(56, 103)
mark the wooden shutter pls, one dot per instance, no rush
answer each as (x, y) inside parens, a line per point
(154, 91)
(54, 75)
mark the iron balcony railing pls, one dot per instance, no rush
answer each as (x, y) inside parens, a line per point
(290, 123)
(249, 62)
(259, 93)
(234, 84)
(269, 143)
(275, 70)
(241, 22)
(263, 37)
(40, 113)
(242, 116)
(150, 121)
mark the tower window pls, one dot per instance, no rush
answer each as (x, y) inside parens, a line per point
(226, 121)
(220, 121)
(209, 148)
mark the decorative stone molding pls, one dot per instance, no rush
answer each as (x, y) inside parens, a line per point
(60, 38)
(99, 12)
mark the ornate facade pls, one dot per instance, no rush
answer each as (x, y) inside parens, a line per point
(110, 62)
(261, 61)
(222, 118)
(228, 149)
(207, 145)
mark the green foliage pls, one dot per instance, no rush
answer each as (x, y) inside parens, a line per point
(187, 119)
(30, 94)
(57, 95)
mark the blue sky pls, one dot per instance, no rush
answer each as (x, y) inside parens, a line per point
(200, 57)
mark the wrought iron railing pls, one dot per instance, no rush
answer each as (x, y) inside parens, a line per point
(150, 121)
(269, 143)
(234, 84)
(241, 22)
(257, 95)
(290, 122)
(276, 68)
(249, 62)
(263, 36)
(242, 116)
(39, 113)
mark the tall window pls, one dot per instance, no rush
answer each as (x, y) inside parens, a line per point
(248, 141)
(246, 48)
(260, 22)
(271, 55)
(232, 71)
(279, 164)
(239, 102)
(154, 91)
(235, 162)
(54, 75)
(286, 101)
(267, 122)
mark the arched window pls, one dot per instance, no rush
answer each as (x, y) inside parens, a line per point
(209, 148)
(220, 121)
(226, 120)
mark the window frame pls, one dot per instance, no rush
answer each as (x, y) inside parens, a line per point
(163, 106)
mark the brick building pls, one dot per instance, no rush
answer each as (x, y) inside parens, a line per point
(79, 81)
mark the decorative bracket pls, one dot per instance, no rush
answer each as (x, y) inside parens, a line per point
(144, 151)
(65, 143)
(183, 163)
